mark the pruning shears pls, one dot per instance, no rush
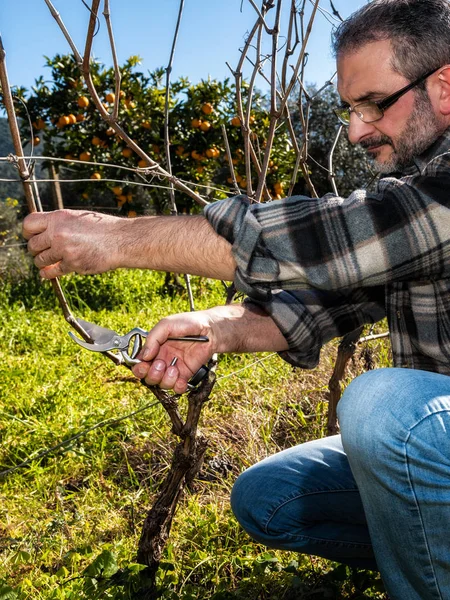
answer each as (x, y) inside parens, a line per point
(129, 345)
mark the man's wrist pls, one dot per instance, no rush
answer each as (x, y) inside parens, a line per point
(125, 237)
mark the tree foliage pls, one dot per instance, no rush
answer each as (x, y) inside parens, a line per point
(68, 126)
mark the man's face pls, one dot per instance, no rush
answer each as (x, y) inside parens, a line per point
(407, 128)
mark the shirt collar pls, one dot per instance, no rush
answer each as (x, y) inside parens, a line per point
(418, 164)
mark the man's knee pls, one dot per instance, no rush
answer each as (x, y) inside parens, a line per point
(367, 412)
(248, 499)
(379, 409)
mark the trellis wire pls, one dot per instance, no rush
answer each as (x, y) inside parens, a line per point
(137, 171)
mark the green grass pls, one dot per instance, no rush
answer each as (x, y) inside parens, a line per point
(90, 497)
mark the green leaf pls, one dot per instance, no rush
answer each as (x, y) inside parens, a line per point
(137, 568)
(103, 566)
(6, 592)
(340, 573)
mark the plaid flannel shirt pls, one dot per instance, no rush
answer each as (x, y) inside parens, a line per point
(322, 267)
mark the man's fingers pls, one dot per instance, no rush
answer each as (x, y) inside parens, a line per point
(52, 271)
(155, 339)
(169, 379)
(180, 386)
(46, 258)
(156, 372)
(33, 224)
(38, 243)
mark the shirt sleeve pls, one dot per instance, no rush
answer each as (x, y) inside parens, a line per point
(308, 319)
(399, 233)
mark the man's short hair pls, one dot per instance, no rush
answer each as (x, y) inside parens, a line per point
(419, 31)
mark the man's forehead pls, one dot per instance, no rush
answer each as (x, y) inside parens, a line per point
(366, 71)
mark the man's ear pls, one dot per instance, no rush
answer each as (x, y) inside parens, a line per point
(444, 90)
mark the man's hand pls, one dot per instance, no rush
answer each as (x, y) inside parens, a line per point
(158, 353)
(66, 241)
(232, 328)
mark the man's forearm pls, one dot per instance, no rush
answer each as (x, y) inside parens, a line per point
(182, 244)
(245, 328)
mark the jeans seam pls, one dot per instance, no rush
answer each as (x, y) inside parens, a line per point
(415, 497)
(275, 510)
(327, 541)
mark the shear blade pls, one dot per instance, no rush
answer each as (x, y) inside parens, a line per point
(104, 339)
(100, 335)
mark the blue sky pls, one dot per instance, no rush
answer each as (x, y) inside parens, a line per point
(211, 33)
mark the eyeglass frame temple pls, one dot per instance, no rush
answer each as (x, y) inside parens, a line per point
(390, 100)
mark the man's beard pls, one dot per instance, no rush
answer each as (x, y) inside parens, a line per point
(421, 130)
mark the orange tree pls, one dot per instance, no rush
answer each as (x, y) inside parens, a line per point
(67, 125)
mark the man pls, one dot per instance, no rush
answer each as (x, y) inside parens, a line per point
(379, 496)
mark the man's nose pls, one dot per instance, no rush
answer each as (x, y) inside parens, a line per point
(358, 130)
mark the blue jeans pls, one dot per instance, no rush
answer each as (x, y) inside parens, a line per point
(377, 496)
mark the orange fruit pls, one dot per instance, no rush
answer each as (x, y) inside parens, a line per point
(69, 157)
(243, 183)
(96, 176)
(110, 97)
(200, 169)
(122, 94)
(80, 117)
(122, 198)
(205, 125)
(278, 187)
(207, 108)
(212, 152)
(130, 104)
(96, 141)
(127, 152)
(252, 119)
(132, 214)
(72, 119)
(63, 121)
(85, 195)
(196, 155)
(146, 124)
(85, 156)
(39, 124)
(236, 122)
(196, 123)
(117, 190)
(36, 141)
(83, 102)
(110, 131)
(143, 164)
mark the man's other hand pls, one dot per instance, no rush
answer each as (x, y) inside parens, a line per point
(67, 241)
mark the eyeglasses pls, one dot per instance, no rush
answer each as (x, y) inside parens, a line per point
(371, 111)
